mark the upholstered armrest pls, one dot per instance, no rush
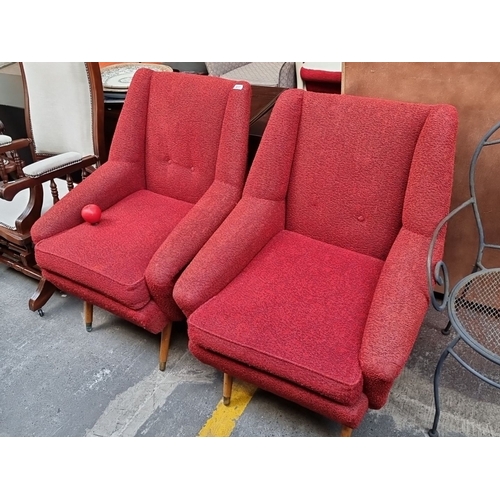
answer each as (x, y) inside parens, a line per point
(399, 305)
(9, 190)
(106, 186)
(248, 228)
(51, 164)
(7, 144)
(187, 238)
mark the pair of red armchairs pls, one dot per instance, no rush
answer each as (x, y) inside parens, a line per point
(309, 278)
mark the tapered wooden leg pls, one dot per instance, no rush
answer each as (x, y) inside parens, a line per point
(227, 388)
(88, 312)
(42, 295)
(345, 431)
(164, 345)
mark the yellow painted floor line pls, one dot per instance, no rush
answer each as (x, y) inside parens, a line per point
(224, 418)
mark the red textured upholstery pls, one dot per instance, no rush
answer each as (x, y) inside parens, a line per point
(302, 269)
(314, 287)
(176, 169)
(121, 233)
(320, 80)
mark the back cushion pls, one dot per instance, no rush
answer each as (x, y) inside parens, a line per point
(183, 133)
(350, 170)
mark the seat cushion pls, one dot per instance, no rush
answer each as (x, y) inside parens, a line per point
(297, 311)
(257, 73)
(350, 415)
(111, 257)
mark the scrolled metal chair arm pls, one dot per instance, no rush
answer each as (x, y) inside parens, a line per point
(440, 275)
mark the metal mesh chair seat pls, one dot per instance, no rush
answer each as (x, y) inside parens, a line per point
(475, 308)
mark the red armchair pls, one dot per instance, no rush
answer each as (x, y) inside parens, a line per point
(314, 288)
(176, 168)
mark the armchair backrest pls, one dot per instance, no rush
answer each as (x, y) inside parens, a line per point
(183, 140)
(354, 170)
(64, 107)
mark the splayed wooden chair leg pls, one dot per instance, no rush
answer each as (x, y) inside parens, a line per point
(164, 345)
(42, 294)
(88, 312)
(345, 431)
(227, 388)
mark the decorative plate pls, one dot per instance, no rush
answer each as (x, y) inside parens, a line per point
(117, 77)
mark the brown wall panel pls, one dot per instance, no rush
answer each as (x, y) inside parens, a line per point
(474, 89)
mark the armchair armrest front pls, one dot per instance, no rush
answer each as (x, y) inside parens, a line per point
(106, 186)
(248, 228)
(399, 305)
(187, 238)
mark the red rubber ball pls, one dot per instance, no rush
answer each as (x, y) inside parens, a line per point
(91, 213)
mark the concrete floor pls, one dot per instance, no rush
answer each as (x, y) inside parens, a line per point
(59, 380)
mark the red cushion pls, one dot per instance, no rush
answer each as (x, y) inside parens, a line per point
(98, 256)
(318, 80)
(350, 415)
(320, 75)
(297, 311)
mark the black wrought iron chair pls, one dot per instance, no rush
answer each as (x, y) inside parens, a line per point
(473, 304)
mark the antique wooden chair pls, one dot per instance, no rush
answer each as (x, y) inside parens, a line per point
(315, 287)
(176, 168)
(64, 112)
